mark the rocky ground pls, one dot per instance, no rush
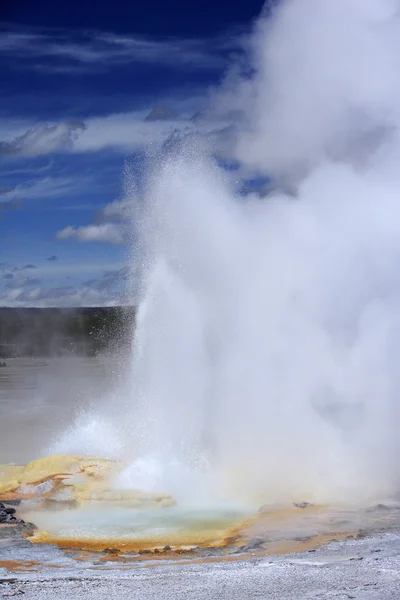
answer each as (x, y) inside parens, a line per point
(11, 527)
(360, 569)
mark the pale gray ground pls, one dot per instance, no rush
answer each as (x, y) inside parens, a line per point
(366, 569)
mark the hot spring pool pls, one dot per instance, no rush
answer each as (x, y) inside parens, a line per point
(94, 526)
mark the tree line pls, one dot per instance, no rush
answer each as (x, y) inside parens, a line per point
(57, 331)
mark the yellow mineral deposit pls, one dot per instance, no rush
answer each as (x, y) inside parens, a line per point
(60, 479)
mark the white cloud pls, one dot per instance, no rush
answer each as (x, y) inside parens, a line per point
(111, 226)
(118, 210)
(127, 132)
(111, 233)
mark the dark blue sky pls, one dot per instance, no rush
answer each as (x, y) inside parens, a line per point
(194, 19)
(79, 84)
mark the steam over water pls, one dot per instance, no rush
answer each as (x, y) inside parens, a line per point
(266, 352)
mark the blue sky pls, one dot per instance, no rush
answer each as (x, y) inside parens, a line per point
(85, 89)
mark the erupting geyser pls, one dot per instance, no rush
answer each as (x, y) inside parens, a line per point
(268, 332)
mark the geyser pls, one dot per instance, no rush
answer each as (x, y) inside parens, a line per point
(265, 352)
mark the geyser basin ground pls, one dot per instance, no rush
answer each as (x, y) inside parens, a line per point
(364, 569)
(71, 501)
(95, 542)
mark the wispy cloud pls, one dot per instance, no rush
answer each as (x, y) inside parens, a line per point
(120, 132)
(20, 281)
(55, 269)
(62, 296)
(32, 169)
(99, 50)
(43, 139)
(40, 188)
(110, 280)
(7, 201)
(107, 286)
(18, 277)
(107, 290)
(10, 269)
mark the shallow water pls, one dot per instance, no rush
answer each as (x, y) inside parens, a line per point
(104, 525)
(38, 397)
(99, 526)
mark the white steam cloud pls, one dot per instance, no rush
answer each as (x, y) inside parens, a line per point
(267, 342)
(326, 78)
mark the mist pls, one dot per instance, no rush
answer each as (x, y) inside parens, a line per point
(265, 351)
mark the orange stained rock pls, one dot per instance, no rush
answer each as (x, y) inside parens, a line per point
(20, 566)
(274, 548)
(210, 539)
(181, 556)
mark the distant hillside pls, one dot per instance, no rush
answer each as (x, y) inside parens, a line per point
(57, 331)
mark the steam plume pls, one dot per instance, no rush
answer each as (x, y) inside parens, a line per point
(266, 350)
